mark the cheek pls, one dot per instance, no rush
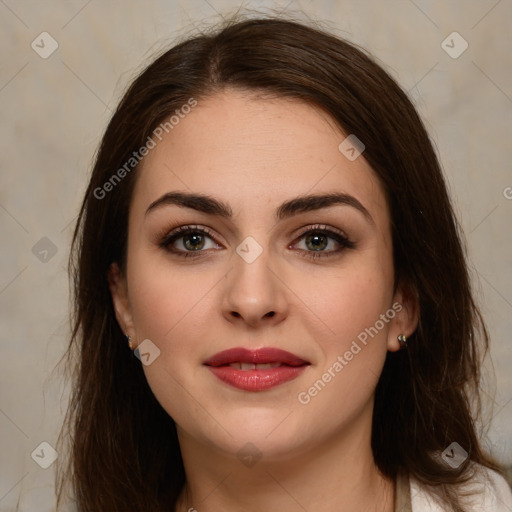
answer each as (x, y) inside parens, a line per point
(173, 309)
(354, 350)
(350, 301)
(164, 298)
(354, 306)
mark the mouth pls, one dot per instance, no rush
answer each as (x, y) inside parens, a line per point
(256, 370)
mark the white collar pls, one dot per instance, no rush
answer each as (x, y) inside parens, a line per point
(490, 492)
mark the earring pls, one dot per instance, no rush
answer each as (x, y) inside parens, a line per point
(130, 344)
(402, 339)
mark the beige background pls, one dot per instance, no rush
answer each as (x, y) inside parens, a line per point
(53, 112)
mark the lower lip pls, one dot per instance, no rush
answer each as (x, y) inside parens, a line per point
(256, 380)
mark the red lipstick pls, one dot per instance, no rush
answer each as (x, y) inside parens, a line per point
(255, 370)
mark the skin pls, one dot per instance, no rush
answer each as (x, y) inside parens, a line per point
(255, 153)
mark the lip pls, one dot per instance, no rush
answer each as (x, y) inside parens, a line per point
(291, 366)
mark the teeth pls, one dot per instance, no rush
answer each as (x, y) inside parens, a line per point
(267, 366)
(252, 366)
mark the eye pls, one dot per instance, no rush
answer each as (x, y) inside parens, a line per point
(192, 239)
(318, 238)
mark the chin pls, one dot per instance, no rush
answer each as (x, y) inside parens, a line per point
(260, 432)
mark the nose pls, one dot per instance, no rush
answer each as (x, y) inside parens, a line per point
(254, 294)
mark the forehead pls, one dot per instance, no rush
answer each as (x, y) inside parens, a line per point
(255, 153)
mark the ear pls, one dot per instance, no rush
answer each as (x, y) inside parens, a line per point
(407, 314)
(119, 292)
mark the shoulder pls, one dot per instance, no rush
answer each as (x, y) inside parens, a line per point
(487, 491)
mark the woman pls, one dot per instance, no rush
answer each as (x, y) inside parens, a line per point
(268, 229)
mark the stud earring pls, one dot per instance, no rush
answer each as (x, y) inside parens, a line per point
(402, 339)
(130, 344)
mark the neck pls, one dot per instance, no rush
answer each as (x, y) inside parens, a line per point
(339, 475)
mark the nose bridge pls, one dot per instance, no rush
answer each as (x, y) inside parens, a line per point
(253, 291)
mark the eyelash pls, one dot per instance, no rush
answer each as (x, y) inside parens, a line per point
(178, 233)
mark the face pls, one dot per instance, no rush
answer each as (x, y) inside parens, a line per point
(313, 278)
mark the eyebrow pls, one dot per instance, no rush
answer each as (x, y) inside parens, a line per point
(306, 203)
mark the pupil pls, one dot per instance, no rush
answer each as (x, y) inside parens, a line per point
(196, 237)
(316, 238)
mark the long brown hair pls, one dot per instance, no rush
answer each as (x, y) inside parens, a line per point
(123, 449)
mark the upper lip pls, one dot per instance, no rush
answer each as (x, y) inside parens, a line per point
(262, 355)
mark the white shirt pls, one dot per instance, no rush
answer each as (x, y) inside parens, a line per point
(490, 495)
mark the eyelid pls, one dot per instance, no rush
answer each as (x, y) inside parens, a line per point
(166, 234)
(321, 227)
